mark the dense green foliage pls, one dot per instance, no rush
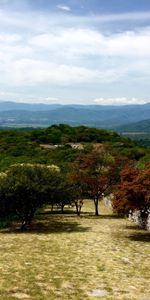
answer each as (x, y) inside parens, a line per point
(20, 146)
(64, 134)
(25, 187)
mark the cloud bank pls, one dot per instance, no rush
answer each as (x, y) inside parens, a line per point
(74, 55)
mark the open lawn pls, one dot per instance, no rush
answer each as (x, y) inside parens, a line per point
(68, 257)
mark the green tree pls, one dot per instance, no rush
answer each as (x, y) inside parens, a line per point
(27, 187)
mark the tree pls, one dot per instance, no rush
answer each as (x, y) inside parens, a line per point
(93, 173)
(69, 194)
(133, 192)
(27, 187)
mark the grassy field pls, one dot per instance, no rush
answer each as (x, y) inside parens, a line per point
(68, 257)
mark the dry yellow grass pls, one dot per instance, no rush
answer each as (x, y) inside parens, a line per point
(66, 257)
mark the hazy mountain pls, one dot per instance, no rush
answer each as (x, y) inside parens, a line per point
(9, 105)
(141, 126)
(22, 114)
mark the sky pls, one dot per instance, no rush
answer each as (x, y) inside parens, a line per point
(75, 51)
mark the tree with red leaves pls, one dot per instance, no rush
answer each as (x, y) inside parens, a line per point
(93, 172)
(133, 192)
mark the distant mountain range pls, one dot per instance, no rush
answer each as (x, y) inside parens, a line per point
(13, 114)
(9, 105)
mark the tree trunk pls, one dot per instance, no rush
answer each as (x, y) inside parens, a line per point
(80, 204)
(96, 206)
(77, 208)
(52, 207)
(23, 226)
(144, 218)
(30, 216)
(62, 208)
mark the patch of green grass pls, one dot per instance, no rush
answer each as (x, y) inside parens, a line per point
(67, 257)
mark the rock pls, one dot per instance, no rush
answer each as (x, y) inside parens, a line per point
(97, 293)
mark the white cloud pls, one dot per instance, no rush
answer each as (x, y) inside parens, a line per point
(118, 101)
(31, 72)
(63, 7)
(81, 41)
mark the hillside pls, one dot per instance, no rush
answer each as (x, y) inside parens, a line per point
(41, 115)
(139, 131)
(138, 127)
(17, 146)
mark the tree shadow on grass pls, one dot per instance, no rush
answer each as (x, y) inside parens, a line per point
(47, 227)
(101, 216)
(138, 234)
(140, 237)
(56, 212)
(132, 227)
(111, 216)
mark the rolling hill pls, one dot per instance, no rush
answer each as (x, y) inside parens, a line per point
(138, 127)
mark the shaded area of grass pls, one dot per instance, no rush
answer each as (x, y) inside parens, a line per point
(47, 227)
(101, 216)
(140, 237)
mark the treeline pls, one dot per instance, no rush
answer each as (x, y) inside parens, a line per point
(24, 188)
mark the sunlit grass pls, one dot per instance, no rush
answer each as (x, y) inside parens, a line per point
(68, 257)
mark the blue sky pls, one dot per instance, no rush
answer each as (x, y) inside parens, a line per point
(75, 51)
